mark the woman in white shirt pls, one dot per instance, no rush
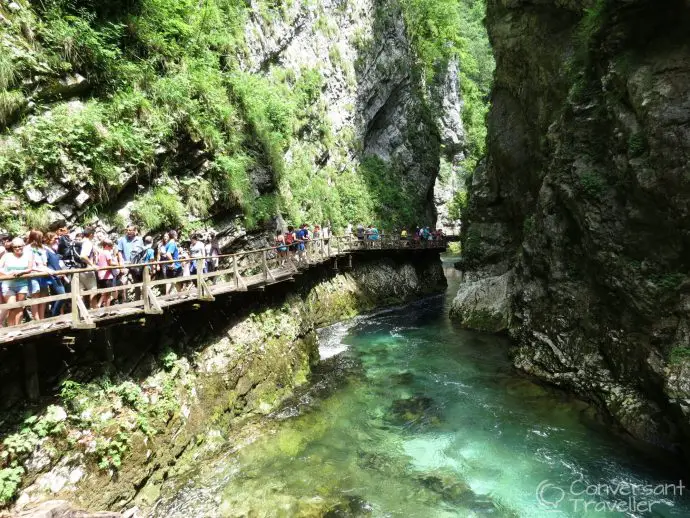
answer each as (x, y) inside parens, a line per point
(39, 285)
(12, 265)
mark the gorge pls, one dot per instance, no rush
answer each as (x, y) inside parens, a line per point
(567, 164)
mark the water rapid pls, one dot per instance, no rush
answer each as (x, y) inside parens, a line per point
(409, 416)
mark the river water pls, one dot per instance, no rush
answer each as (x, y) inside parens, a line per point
(409, 416)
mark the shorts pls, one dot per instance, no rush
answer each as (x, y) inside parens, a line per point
(11, 288)
(282, 248)
(87, 281)
(106, 283)
(173, 272)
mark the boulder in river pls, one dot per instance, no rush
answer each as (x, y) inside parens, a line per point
(415, 410)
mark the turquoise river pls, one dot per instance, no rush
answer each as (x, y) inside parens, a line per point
(410, 416)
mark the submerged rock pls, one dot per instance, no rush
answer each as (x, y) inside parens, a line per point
(448, 485)
(415, 410)
(404, 378)
(352, 507)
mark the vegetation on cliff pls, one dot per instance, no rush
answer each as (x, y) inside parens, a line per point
(135, 95)
(454, 29)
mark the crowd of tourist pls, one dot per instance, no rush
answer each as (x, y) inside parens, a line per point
(119, 260)
(115, 257)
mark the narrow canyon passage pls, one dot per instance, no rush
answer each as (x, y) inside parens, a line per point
(408, 415)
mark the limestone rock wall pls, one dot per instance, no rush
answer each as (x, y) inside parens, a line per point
(583, 203)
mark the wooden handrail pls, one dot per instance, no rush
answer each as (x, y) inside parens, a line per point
(244, 272)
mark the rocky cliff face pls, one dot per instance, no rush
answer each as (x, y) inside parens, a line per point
(362, 124)
(577, 238)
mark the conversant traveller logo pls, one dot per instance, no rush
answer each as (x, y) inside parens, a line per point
(580, 496)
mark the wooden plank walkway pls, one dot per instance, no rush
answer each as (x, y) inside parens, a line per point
(253, 269)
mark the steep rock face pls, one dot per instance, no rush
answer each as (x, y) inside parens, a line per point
(370, 102)
(448, 100)
(584, 202)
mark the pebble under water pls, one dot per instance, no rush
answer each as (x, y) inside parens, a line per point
(409, 416)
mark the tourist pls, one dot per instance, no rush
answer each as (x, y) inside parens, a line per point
(302, 236)
(172, 253)
(38, 286)
(107, 277)
(15, 290)
(160, 256)
(281, 247)
(403, 234)
(5, 248)
(360, 232)
(56, 284)
(129, 245)
(212, 250)
(290, 241)
(348, 230)
(197, 251)
(87, 255)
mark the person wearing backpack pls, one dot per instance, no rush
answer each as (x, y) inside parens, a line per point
(87, 255)
(281, 247)
(290, 241)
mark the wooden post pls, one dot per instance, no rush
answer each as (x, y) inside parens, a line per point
(240, 285)
(203, 292)
(31, 371)
(349, 261)
(79, 310)
(151, 306)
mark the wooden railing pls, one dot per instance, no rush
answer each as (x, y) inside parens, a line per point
(242, 271)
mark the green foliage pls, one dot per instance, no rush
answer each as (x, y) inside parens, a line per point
(527, 225)
(679, 354)
(130, 393)
(637, 144)
(393, 200)
(454, 248)
(592, 183)
(457, 205)
(444, 30)
(10, 478)
(668, 281)
(109, 451)
(158, 209)
(269, 109)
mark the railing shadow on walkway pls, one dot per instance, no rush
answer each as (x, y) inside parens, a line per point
(243, 271)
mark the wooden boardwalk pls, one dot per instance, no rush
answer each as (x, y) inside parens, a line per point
(253, 269)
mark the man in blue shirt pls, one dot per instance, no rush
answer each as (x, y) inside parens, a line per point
(172, 253)
(129, 244)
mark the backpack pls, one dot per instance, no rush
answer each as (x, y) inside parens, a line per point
(137, 256)
(70, 255)
(289, 238)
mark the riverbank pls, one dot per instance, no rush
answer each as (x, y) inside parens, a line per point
(114, 430)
